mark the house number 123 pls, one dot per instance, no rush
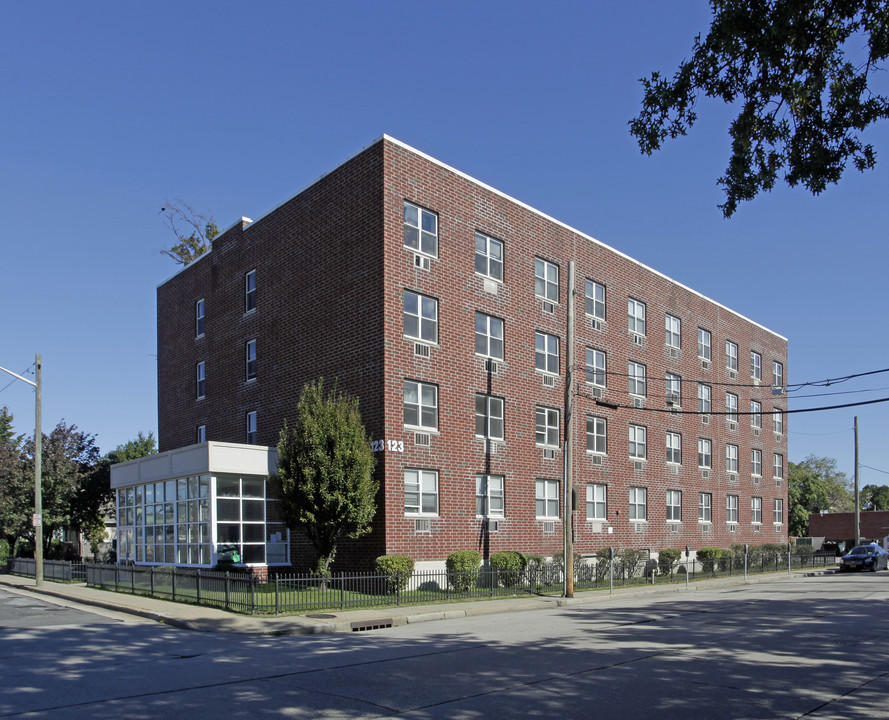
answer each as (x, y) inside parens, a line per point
(390, 445)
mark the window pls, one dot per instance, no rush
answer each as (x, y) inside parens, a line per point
(240, 515)
(731, 458)
(673, 388)
(674, 448)
(420, 492)
(705, 507)
(199, 318)
(596, 501)
(595, 300)
(731, 355)
(755, 414)
(420, 405)
(636, 316)
(489, 496)
(547, 427)
(546, 280)
(778, 421)
(420, 317)
(731, 407)
(704, 404)
(251, 360)
(595, 367)
(779, 466)
(756, 510)
(489, 417)
(756, 462)
(636, 375)
(546, 352)
(703, 344)
(638, 503)
(250, 291)
(731, 508)
(778, 511)
(488, 257)
(755, 365)
(488, 336)
(201, 380)
(202, 433)
(251, 428)
(638, 449)
(674, 505)
(674, 332)
(705, 453)
(546, 496)
(596, 435)
(777, 374)
(420, 230)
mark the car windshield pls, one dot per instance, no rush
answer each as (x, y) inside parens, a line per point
(862, 551)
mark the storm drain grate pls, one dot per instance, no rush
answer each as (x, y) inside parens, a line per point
(371, 625)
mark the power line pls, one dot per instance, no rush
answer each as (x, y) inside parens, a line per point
(615, 406)
(873, 468)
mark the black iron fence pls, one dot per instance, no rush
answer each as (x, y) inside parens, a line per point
(54, 570)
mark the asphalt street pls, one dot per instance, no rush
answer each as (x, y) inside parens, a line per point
(814, 647)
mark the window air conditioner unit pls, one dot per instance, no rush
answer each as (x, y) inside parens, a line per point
(672, 398)
(549, 526)
(674, 352)
(493, 525)
(638, 465)
(732, 425)
(638, 339)
(421, 262)
(673, 469)
(595, 324)
(548, 454)
(549, 380)
(421, 350)
(490, 366)
(422, 525)
(597, 392)
(757, 528)
(705, 474)
(637, 402)
(597, 459)
(755, 432)
(756, 480)
(705, 364)
(733, 374)
(705, 529)
(732, 528)
(548, 307)
(423, 439)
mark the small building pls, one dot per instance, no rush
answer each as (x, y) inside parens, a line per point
(840, 526)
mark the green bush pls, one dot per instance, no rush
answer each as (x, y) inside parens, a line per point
(708, 557)
(463, 568)
(630, 560)
(398, 570)
(4, 550)
(803, 549)
(666, 558)
(24, 549)
(603, 564)
(509, 567)
(770, 551)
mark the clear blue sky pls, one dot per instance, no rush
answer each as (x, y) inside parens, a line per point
(109, 108)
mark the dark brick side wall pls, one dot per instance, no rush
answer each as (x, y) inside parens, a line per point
(874, 524)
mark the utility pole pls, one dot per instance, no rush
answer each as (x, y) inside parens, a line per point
(568, 444)
(855, 475)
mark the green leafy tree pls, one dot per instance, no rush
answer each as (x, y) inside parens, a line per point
(7, 436)
(814, 485)
(874, 497)
(799, 74)
(193, 230)
(325, 467)
(16, 494)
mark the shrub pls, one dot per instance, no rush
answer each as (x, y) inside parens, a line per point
(398, 570)
(534, 564)
(508, 567)
(4, 550)
(804, 549)
(708, 556)
(24, 549)
(666, 558)
(463, 568)
(629, 561)
(603, 564)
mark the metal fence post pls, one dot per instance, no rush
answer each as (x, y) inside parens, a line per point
(342, 593)
(151, 579)
(228, 590)
(198, 585)
(173, 583)
(253, 595)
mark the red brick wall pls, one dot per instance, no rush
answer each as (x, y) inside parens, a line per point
(874, 525)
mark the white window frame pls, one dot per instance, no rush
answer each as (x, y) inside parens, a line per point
(546, 353)
(488, 257)
(546, 280)
(199, 318)
(489, 413)
(673, 326)
(778, 511)
(673, 387)
(777, 374)
(756, 462)
(778, 421)
(424, 484)
(731, 458)
(778, 466)
(490, 500)
(595, 296)
(637, 379)
(596, 501)
(250, 291)
(488, 336)
(756, 414)
(636, 317)
(420, 227)
(674, 448)
(731, 508)
(705, 453)
(756, 510)
(705, 400)
(546, 498)
(201, 380)
(421, 312)
(250, 360)
(731, 355)
(638, 442)
(731, 407)
(705, 507)
(638, 501)
(422, 405)
(547, 427)
(597, 440)
(674, 505)
(705, 340)
(755, 365)
(252, 428)
(596, 367)
(202, 433)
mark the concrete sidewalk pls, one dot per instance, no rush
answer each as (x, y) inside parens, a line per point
(207, 619)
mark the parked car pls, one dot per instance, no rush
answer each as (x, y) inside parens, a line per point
(865, 557)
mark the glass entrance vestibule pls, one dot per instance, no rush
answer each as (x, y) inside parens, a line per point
(220, 505)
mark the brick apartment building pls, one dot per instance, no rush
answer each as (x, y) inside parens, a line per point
(443, 305)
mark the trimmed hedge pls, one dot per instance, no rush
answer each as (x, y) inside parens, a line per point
(666, 558)
(509, 567)
(463, 566)
(398, 570)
